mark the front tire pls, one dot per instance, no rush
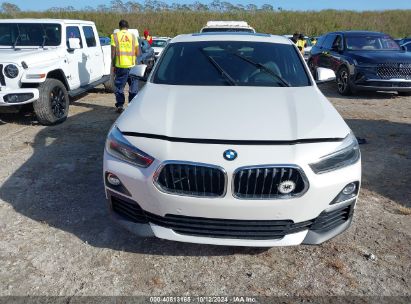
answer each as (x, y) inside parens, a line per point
(343, 82)
(53, 104)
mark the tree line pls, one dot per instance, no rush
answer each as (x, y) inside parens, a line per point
(174, 21)
(119, 6)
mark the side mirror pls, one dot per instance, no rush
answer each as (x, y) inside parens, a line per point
(325, 75)
(403, 48)
(74, 43)
(138, 70)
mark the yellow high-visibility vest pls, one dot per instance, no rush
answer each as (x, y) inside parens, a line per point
(301, 43)
(125, 43)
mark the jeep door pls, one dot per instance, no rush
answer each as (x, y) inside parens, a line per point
(94, 54)
(78, 74)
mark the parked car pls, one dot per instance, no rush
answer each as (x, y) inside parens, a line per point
(44, 61)
(404, 40)
(105, 40)
(363, 61)
(232, 143)
(307, 48)
(407, 46)
(227, 26)
(159, 43)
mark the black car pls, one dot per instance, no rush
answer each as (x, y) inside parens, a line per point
(363, 60)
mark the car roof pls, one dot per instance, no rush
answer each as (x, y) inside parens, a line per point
(357, 32)
(45, 20)
(231, 36)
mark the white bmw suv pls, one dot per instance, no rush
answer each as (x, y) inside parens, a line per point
(231, 142)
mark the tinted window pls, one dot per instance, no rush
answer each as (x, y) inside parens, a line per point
(73, 32)
(370, 43)
(89, 35)
(202, 63)
(337, 44)
(328, 42)
(30, 34)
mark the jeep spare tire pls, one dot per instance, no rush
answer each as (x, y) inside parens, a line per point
(53, 104)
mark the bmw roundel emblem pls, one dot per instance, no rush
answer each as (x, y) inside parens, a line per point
(230, 155)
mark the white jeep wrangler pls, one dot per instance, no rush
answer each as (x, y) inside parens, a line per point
(44, 61)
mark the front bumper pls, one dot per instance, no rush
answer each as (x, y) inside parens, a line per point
(13, 97)
(130, 215)
(142, 192)
(367, 79)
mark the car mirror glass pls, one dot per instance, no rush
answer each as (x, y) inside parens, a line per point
(138, 70)
(74, 43)
(325, 75)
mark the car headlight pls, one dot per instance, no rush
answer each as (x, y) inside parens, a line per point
(11, 71)
(118, 146)
(346, 154)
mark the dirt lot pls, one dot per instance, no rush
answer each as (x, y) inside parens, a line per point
(56, 237)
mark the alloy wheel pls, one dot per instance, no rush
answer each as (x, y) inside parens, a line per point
(342, 81)
(58, 102)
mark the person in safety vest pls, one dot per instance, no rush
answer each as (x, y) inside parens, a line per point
(301, 43)
(124, 51)
(313, 40)
(148, 37)
(295, 37)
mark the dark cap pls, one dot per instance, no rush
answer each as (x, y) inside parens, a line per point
(123, 24)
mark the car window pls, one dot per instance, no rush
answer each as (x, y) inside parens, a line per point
(73, 32)
(370, 43)
(327, 44)
(320, 41)
(89, 35)
(200, 63)
(30, 34)
(337, 44)
(159, 43)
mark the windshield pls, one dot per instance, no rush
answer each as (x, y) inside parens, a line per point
(371, 43)
(159, 43)
(30, 34)
(219, 63)
(226, 29)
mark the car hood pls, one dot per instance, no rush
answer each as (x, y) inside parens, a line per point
(29, 56)
(233, 113)
(381, 56)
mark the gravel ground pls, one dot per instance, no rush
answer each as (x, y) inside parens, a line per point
(56, 238)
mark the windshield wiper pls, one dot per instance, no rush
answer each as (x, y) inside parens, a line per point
(223, 72)
(44, 37)
(17, 38)
(263, 68)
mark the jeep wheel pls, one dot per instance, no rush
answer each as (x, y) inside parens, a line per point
(109, 84)
(53, 104)
(343, 82)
